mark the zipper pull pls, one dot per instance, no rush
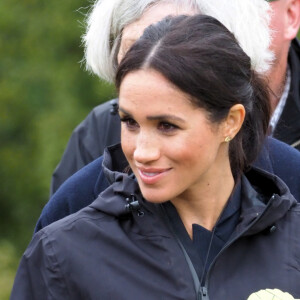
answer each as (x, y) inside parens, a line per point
(203, 294)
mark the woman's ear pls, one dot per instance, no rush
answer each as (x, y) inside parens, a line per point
(233, 121)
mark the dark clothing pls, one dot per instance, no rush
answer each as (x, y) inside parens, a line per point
(82, 188)
(207, 244)
(123, 247)
(288, 127)
(101, 128)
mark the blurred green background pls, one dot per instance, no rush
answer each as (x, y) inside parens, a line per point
(44, 94)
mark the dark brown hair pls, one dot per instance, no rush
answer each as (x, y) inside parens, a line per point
(203, 59)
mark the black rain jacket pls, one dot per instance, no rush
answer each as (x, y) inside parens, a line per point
(122, 247)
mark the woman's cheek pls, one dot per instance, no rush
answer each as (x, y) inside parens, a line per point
(127, 143)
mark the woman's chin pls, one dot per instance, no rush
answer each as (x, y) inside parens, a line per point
(154, 197)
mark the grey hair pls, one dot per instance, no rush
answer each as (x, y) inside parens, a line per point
(248, 20)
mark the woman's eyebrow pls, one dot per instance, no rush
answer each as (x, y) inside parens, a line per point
(157, 117)
(166, 117)
(124, 111)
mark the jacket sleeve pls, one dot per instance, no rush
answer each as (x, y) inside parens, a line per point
(286, 165)
(76, 192)
(38, 276)
(282, 160)
(101, 128)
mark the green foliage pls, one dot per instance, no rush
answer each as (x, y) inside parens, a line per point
(45, 93)
(8, 266)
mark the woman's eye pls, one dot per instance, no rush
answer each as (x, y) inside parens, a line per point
(167, 127)
(130, 123)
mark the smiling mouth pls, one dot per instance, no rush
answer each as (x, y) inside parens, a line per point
(152, 177)
(150, 174)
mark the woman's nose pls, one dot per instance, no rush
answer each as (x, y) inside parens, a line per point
(147, 149)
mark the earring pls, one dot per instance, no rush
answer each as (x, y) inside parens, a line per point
(227, 139)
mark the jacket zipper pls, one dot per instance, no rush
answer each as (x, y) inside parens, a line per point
(202, 291)
(258, 217)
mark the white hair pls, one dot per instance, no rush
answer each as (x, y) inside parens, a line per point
(248, 20)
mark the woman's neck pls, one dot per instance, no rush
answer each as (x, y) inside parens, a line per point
(203, 205)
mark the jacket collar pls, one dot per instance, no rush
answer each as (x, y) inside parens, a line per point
(294, 63)
(265, 197)
(123, 188)
(287, 129)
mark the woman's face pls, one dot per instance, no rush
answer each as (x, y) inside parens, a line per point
(133, 31)
(169, 143)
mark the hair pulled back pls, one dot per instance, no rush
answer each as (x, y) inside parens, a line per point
(203, 59)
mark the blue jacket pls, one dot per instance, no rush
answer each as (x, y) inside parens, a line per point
(83, 187)
(123, 247)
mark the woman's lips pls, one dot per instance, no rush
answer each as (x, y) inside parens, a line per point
(152, 176)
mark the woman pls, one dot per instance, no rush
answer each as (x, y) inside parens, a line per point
(190, 219)
(112, 27)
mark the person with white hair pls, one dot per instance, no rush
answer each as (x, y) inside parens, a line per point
(113, 25)
(186, 216)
